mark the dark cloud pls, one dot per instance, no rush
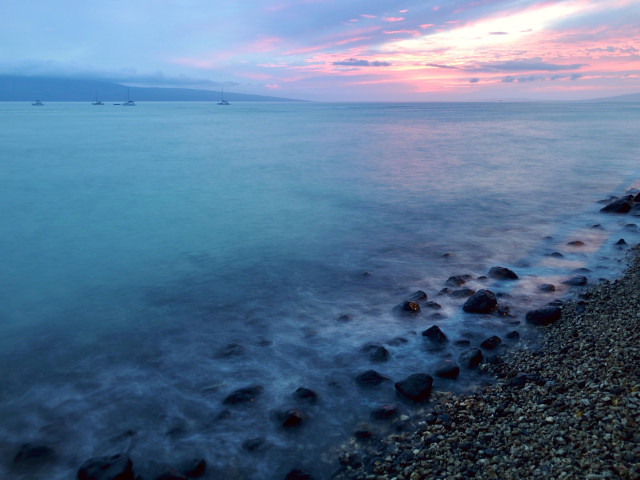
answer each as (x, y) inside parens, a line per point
(352, 62)
(611, 49)
(524, 78)
(436, 65)
(523, 65)
(498, 33)
(474, 80)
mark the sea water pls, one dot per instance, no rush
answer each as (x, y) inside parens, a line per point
(155, 259)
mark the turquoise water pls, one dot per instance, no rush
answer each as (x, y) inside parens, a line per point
(139, 243)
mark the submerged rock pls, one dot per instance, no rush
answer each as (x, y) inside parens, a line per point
(470, 358)
(620, 205)
(418, 296)
(491, 342)
(483, 301)
(243, 395)
(416, 387)
(377, 353)
(435, 334)
(547, 287)
(305, 394)
(385, 412)
(33, 456)
(115, 467)
(410, 307)
(544, 316)
(371, 378)
(291, 418)
(456, 280)
(462, 292)
(447, 369)
(576, 280)
(502, 273)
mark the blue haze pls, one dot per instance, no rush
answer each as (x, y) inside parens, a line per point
(139, 244)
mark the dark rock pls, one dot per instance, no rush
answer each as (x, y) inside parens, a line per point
(556, 254)
(291, 418)
(410, 307)
(297, 474)
(491, 342)
(483, 301)
(377, 353)
(447, 369)
(433, 305)
(576, 243)
(444, 291)
(547, 287)
(30, 456)
(170, 473)
(435, 334)
(462, 293)
(243, 395)
(620, 205)
(385, 412)
(115, 467)
(418, 296)
(371, 378)
(253, 444)
(544, 316)
(637, 198)
(416, 387)
(363, 434)
(456, 280)
(513, 335)
(194, 468)
(576, 280)
(502, 273)
(621, 242)
(470, 358)
(635, 210)
(462, 343)
(394, 342)
(231, 350)
(306, 395)
(345, 317)
(632, 227)
(504, 311)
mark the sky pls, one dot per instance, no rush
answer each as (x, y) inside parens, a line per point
(335, 50)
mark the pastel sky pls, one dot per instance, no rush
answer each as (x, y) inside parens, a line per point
(335, 50)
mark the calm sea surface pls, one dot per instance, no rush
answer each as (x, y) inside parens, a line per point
(154, 259)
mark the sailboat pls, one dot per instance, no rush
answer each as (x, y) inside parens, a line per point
(97, 102)
(37, 103)
(222, 100)
(129, 102)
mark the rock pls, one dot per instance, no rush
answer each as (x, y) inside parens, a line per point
(416, 387)
(435, 335)
(637, 198)
(433, 305)
(115, 467)
(194, 468)
(447, 369)
(456, 280)
(483, 301)
(230, 350)
(363, 434)
(470, 358)
(462, 343)
(576, 243)
(544, 316)
(170, 473)
(635, 210)
(377, 353)
(297, 474)
(243, 395)
(291, 418)
(576, 280)
(410, 307)
(621, 242)
(371, 378)
(502, 273)
(547, 287)
(306, 395)
(418, 296)
(491, 342)
(620, 205)
(253, 444)
(31, 455)
(555, 254)
(513, 335)
(385, 412)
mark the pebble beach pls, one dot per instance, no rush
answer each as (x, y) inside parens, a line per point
(566, 410)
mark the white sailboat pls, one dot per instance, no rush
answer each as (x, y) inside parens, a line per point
(222, 100)
(37, 103)
(129, 102)
(97, 102)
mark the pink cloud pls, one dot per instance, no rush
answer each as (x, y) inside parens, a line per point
(426, 25)
(413, 33)
(393, 19)
(364, 15)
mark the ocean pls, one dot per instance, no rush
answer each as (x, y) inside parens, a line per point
(156, 259)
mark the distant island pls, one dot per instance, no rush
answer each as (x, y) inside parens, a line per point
(28, 89)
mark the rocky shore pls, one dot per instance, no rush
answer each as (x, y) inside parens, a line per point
(568, 410)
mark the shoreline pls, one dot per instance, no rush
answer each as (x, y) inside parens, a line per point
(567, 410)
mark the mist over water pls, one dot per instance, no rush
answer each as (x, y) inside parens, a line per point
(156, 259)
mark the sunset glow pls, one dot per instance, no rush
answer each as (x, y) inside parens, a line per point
(320, 50)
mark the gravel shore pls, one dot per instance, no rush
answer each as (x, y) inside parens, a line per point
(569, 410)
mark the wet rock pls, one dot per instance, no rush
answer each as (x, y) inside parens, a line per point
(435, 335)
(502, 273)
(418, 296)
(456, 280)
(462, 293)
(621, 242)
(394, 342)
(230, 350)
(483, 301)
(547, 287)
(416, 387)
(576, 280)
(462, 343)
(513, 335)
(637, 197)
(576, 243)
(447, 369)
(193, 468)
(298, 474)
(632, 227)
(491, 342)
(635, 210)
(115, 467)
(544, 316)
(377, 353)
(170, 473)
(385, 412)
(433, 305)
(254, 444)
(470, 358)
(363, 434)
(30, 456)
(345, 317)
(620, 205)
(555, 254)
(306, 395)
(371, 378)
(410, 307)
(243, 395)
(291, 418)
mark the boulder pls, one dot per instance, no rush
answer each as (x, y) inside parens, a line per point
(502, 273)
(447, 369)
(544, 316)
(193, 468)
(416, 387)
(470, 358)
(433, 305)
(243, 395)
(513, 335)
(33, 455)
(115, 467)
(547, 287)
(418, 296)
(619, 205)
(483, 301)
(298, 474)
(491, 342)
(377, 353)
(575, 280)
(435, 334)
(635, 210)
(291, 418)
(410, 307)
(305, 395)
(456, 280)
(371, 378)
